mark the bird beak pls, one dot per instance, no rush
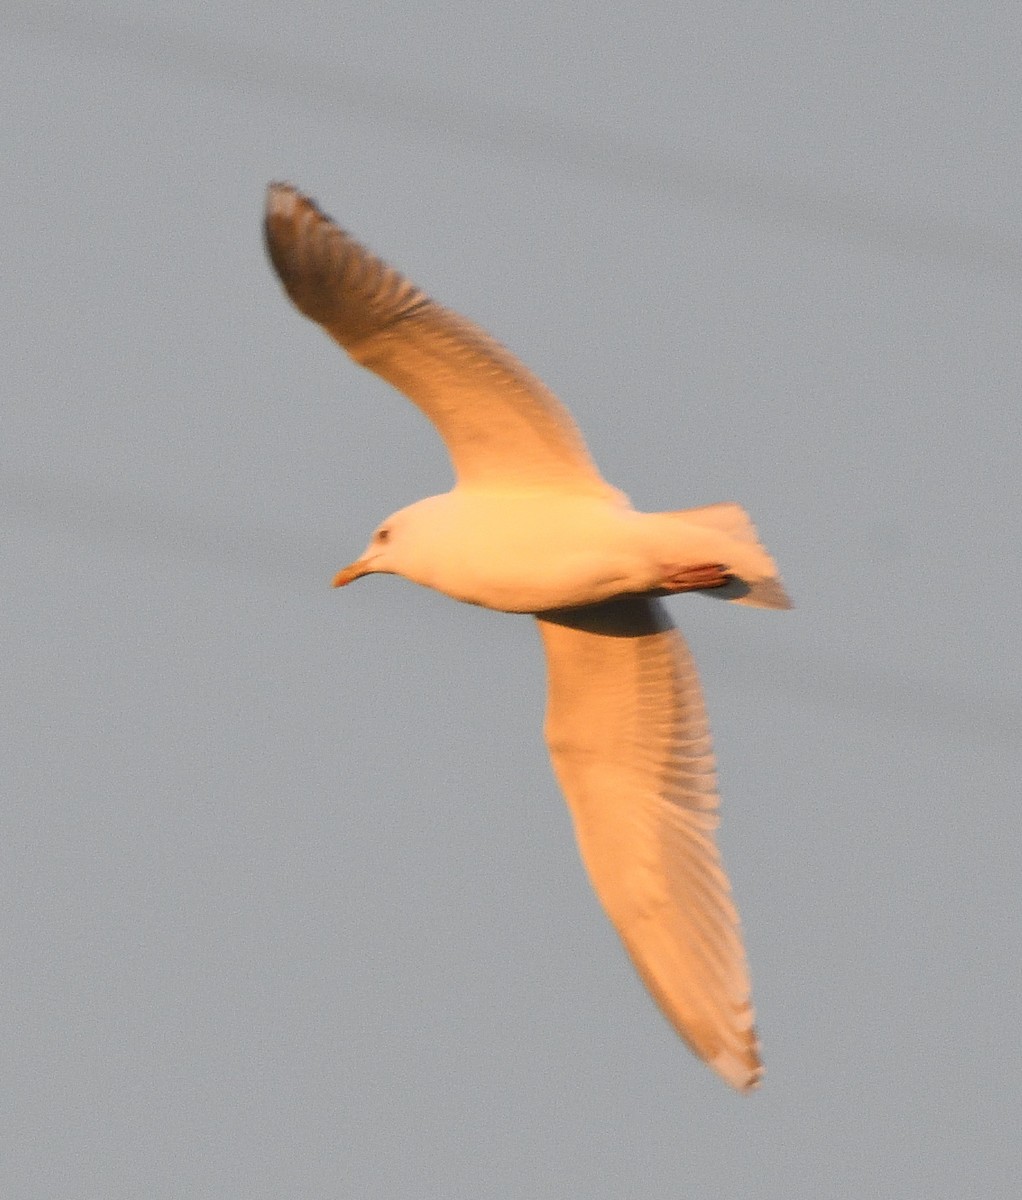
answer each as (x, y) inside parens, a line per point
(355, 570)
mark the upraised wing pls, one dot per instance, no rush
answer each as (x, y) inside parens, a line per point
(630, 743)
(498, 421)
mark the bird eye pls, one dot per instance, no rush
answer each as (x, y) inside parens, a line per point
(382, 535)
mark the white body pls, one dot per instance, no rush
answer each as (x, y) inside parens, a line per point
(532, 551)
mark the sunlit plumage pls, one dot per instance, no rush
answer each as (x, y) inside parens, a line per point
(531, 526)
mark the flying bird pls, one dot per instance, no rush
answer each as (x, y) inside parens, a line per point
(532, 527)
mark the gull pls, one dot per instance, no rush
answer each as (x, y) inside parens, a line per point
(532, 527)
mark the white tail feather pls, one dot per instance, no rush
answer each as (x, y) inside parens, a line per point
(758, 582)
(729, 518)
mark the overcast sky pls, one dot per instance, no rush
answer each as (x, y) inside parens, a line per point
(291, 902)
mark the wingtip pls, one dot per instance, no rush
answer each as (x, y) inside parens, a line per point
(744, 1075)
(283, 199)
(291, 214)
(736, 1058)
(286, 203)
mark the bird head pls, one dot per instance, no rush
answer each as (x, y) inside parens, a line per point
(381, 556)
(401, 545)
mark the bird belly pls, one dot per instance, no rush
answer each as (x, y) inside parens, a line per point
(568, 581)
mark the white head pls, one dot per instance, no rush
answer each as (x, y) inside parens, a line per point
(398, 547)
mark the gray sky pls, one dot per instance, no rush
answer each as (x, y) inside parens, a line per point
(292, 906)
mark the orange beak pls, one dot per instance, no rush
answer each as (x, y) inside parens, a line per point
(355, 570)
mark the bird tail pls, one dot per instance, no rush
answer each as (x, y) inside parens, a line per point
(756, 581)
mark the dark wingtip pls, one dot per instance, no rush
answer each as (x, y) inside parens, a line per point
(298, 237)
(282, 199)
(331, 277)
(284, 205)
